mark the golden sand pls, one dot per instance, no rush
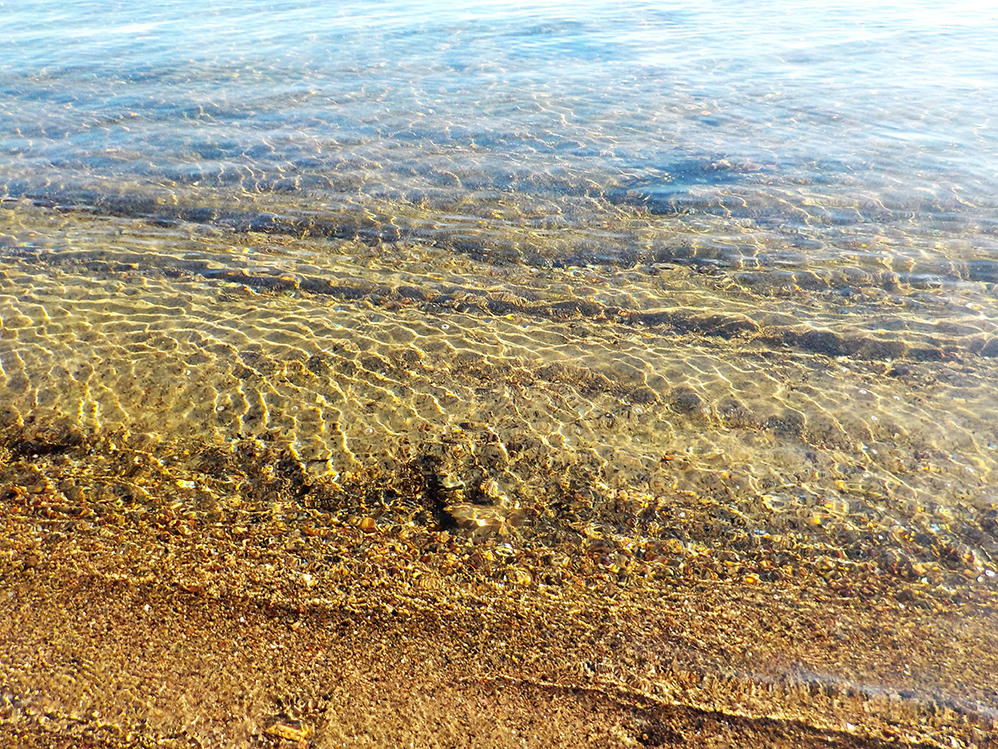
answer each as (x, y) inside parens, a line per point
(127, 622)
(282, 488)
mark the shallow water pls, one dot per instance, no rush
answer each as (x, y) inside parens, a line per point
(717, 276)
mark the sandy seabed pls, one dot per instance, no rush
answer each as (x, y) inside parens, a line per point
(401, 496)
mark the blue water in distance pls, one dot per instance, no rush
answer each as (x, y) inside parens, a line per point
(816, 114)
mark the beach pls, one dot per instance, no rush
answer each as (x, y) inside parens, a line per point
(471, 375)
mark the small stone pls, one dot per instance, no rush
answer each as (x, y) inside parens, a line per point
(521, 577)
(288, 729)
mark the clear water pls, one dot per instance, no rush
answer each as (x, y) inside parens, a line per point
(734, 252)
(867, 116)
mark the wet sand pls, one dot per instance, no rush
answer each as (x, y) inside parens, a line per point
(129, 622)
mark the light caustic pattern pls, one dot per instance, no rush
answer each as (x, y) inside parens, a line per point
(859, 422)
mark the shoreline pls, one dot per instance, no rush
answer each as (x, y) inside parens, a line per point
(126, 627)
